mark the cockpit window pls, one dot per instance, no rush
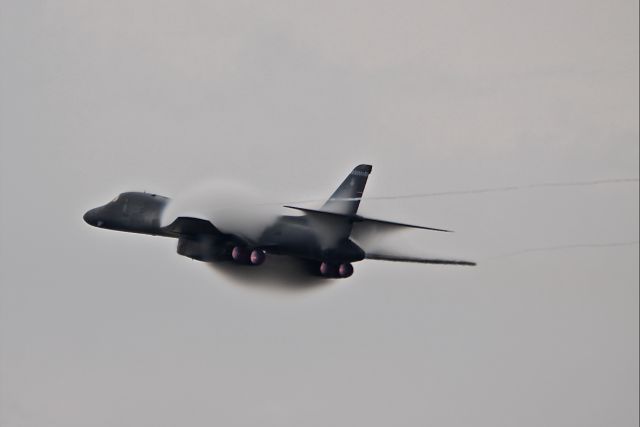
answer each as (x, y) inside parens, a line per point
(115, 199)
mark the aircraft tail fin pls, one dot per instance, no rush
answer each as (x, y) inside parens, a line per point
(346, 199)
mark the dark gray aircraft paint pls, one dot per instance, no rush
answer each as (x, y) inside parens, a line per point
(322, 237)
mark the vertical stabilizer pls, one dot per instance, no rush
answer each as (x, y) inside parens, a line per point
(346, 199)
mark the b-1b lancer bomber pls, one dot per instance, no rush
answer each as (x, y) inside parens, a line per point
(322, 238)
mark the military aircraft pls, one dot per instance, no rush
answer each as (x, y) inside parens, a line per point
(320, 237)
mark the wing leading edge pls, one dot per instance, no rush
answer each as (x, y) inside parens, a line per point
(360, 218)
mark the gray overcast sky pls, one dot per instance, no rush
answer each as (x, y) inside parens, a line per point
(108, 329)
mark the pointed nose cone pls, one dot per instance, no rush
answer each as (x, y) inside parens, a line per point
(91, 217)
(88, 217)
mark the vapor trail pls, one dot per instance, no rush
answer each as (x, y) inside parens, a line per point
(487, 190)
(508, 188)
(502, 189)
(563, 247)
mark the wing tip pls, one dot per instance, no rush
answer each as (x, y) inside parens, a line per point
(421, 227)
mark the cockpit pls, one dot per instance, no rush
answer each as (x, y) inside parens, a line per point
(130, 211)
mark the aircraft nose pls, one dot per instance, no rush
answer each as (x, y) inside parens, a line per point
(91, 218)
(88, 217)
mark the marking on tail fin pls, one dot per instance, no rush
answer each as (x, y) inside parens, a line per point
(346, 199)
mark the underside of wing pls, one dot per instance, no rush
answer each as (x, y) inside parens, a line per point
(354, 218)
(382, 222)
(401, 258)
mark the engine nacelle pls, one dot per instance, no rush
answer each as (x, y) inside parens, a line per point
(345, 270)
(201, 249)
(243, 255)
(341, 271)
(257, 257)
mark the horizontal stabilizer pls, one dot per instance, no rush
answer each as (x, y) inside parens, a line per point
(358, 218)
(398, 258)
